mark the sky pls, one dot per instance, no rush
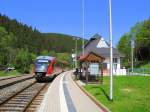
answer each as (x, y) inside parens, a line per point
(65, 16)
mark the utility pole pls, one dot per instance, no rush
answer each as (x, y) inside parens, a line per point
(111, 51)
(83, 25)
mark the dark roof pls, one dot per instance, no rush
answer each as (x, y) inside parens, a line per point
(91, 46)
(96, 36)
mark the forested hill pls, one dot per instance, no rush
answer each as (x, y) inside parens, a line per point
(62, 42)
(20, 44)
(35, 41)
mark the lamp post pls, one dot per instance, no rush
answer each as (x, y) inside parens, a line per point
(111, 50)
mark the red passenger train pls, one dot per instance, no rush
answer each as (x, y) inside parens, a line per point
(44, 67)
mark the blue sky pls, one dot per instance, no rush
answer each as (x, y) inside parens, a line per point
(65, 16)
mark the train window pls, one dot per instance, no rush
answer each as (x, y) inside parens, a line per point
(41, 63)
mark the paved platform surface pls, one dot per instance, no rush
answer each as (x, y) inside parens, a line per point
(65, 96)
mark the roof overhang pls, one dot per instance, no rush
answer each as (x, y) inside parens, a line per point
(91, 57)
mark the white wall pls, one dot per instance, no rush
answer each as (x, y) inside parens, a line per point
(116, 71)
(108, 65)
(120, 72)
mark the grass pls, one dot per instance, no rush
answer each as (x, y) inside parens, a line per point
(131, 93)
(11, 73)
(147, 65)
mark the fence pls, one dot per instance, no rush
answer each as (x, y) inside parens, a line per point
(139, 71)
(115, 72)
(119, 72)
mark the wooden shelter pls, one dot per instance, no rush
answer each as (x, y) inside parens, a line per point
(86, 59)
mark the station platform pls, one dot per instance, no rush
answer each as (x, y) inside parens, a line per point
(64, 95)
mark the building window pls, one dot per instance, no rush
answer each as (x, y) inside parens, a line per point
(115, 60)
(115, 66)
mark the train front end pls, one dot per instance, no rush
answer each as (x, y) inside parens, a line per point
(44, 68)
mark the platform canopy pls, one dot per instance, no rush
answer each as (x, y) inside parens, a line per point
(91, 57)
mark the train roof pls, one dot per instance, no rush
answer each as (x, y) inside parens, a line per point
(45, 58)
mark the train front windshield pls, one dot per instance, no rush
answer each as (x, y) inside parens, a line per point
(41, 65)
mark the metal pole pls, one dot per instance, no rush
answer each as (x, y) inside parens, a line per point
(132, 55)
(76, 53)
(83, 28)
(111, 50)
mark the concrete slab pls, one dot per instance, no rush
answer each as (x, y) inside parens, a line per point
(81, 101)
(65, 96)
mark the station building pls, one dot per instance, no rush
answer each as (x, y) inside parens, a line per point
(97, 53)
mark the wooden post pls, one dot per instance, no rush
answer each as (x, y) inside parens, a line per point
(80, 70)
(86, 72)
(101, 72)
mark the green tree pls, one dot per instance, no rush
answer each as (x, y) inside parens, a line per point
(53, 53)
(48, 53)
(143, 36)
(64, 58)
(140, 33)
(125, 48)
(7, 52)
(23, 61)
(45, 53)
(16, 37)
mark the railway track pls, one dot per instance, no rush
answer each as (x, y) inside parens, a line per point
(14, 80)
(20, 102)
(11, 77)
(22, 93)
(34, 106)
(10, 91)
